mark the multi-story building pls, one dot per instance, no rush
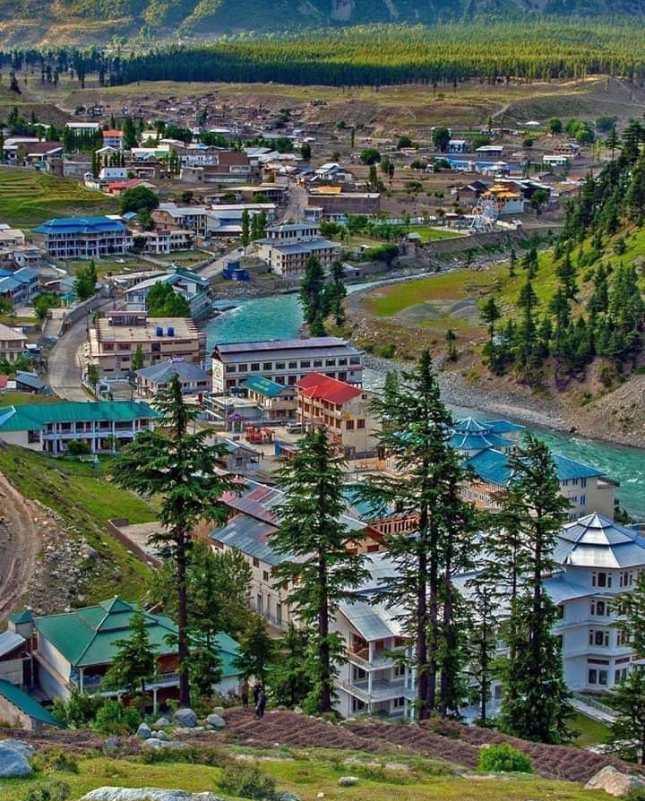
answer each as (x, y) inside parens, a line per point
(285, 361)
(210, 165)
(116, 336)
(342, 409)
(193, 218)
(165, 240)
(19, 286)
(74, 650)
(334, 202)
(227, 219)
(277, 401)
(12, 343)
(103, 425)
(195, 381)
(186, 283)
(85, 237)
(113, 138)
(287, 248)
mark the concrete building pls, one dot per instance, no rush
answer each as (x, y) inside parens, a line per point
(193, 218)
(19, 286)
(73, 651)
(285, 361)
(12, 343)
(85, 237)
(335, 202)
(287, 248)
(113, 138)
(50, 427)
(186, 283)
(195, 381)
(277, 401)
(166, 240)
(342, 409)
(118, 335)
(226, 219)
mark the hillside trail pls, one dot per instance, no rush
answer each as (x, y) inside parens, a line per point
(500, 111)
(20, 543)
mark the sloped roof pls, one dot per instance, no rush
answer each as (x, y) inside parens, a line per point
(323, 387)
(32, 417)
(26, 703)
(79, 225)
(478, 441)
(264, 386)
(88, 636)
(9, 641)
(596, 541)
(165, 371)
(492, 466)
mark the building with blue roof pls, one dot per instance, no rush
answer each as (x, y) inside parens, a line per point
(195, 381)
(85, 237)
(20, 286)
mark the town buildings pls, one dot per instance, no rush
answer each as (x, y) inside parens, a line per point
(193, 218)
(286, 248)
(49, 427)
(72, 651)
(85, 237)
(19, 286)
(336, 203)
(12, 343)
(276, 401)
(186, 283)
(342, 409)
(284, 361)
(195, 381)
(117, 335)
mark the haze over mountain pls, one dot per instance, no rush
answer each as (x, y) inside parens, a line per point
(64, 21)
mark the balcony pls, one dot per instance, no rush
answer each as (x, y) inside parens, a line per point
(381, 659)
(93, 684)
(382, 690)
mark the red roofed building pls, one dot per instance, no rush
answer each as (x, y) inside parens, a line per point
(113, 138)
(343, 409)
(116, 187)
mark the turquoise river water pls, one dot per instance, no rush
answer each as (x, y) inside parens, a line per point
(281, 316)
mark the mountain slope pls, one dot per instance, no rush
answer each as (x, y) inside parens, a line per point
(57, 21)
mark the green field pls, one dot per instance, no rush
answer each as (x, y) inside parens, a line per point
(106, 267)
(21, 398)
(429, 234)
(307, 774)
(591, 732)
(27, 198)
(84, 497)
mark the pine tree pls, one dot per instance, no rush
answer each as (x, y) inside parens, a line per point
(481, 644)
(246, 232)
(415, 433)
(490, 314)
(137, 359)
(134, 662)
(527, 335)
(628, 700)
(317, 548)
(256, 650)
(535, 699)
(566, 273)
(290, 675)
(180, 468)
(312, 293)
(130, 139)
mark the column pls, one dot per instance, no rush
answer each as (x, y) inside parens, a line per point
(369, 692)
(81, 679)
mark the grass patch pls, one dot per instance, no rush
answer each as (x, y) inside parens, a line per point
(85, 498)
(306, 776)
(429, 234)
(10, 398)
(27, 197)
(591, 732)
(105, 267)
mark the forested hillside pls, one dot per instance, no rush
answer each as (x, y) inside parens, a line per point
(58, 22)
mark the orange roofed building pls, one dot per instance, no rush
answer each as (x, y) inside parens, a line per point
(343, 410)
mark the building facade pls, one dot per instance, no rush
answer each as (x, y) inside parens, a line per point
(285, 361)
(85, 237)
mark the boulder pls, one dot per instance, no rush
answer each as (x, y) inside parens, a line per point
(111, 744)
(144, 731)
(161, 723)
(14, 762)
(288, 797)
(161, 735)
(155, 743)
(186, 718)
(146, 794)
(216, 721)
(218, 710)
(614, 782)
(348, 781)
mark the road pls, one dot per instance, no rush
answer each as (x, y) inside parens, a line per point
(63, 366)
(19, 545)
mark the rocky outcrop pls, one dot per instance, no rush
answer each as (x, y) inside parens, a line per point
(146, 794)
(614, 782)
(14, 759)
(186, 718)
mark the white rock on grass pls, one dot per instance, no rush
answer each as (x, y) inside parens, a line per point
(348, 781)
(186, 718)
(614, 782)
(146, 794)
(155, 744)
(144, 731)
(216, 721)
(161, 723)
(14, 762)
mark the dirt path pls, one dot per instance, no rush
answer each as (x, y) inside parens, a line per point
(19, 545)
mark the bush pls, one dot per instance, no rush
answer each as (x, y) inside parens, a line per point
(191, 755)
(52, 791)
(79, 711)
(503, 758)
(58, 761)
(247, 782)
(114, 718)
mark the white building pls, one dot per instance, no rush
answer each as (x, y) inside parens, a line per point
(287, 248)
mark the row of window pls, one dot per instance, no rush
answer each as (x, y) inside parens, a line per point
(600, 677)
(574, 482)
(303, 364)
(600, 637)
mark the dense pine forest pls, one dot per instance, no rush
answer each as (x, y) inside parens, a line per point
(597, 310)
(374, 55)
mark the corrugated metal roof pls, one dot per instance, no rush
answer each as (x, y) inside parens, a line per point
(32, 417)
(492, 466)
(26, 703)
(9, 641)
(250, 537)
(596, 541)
(164, 371)
(264, 386)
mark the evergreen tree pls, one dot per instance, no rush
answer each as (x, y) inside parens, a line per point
(256, 650)
(628, 731)
(163, 301)
(566, 273)
(312, 294)
(134, 662)
(530, 263)
(415, 432)
(535, 700)
(526, 360)
(130, 138)
(599, 300)
(246, 230)
(290, 677)
(451, 338)
(180, 468)
(138, 359)
(482, 644)
(319, 565)
(490, 314)
(336, 293)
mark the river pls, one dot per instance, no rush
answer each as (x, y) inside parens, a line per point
(280, 316)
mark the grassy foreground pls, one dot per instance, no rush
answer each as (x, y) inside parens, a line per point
(308, 773)
(27, 198)
(84, 497)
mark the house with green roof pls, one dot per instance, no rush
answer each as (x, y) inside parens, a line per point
(74, 650)
(277, 401)
(49, 428)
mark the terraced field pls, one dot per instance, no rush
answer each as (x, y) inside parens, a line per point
(28, 197)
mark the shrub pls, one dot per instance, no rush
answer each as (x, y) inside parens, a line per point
(59, 761)
(52, 791)
(79, 711)
(503, 758)
(114, 718)
(192, 755)
(247, 782)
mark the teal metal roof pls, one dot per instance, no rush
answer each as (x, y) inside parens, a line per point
(25, 703)
(264, 386)
(22, 616)
(228, 651)
(492, 466)
(32, 417)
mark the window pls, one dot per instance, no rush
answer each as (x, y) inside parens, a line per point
(360, 423)
(342, 362)
(279, 365)
(583, 500)
(358, 674)
(357, 706)
(583, 482)
(278, 613)
(399, 670)
(256, 562)
(265, 575)
(398, 703)
(600, 608)
(602, 677)
(267, 366)
(243, 368)
(350, 425)
(255, 366)
(560, 611)
(305, 363)
(330, 362)
(599, 637)
(317, 362)
(600, 580)
(592, 678)
(293, 365)
(354, 359)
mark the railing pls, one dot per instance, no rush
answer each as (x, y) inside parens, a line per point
(594, 704)
(93, 684)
